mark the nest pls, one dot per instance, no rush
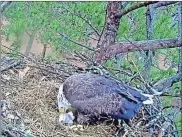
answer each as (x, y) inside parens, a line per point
(31, 93)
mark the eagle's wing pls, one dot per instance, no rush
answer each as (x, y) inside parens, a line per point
(107, 104)
(89, 85)
(99, 95)
(113, 105)
(131, 93)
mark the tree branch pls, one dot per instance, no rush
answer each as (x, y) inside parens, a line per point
(124, 4)
(164, 84)
(87, 21)
(176, 95)
(137, 6)
(162, 3)
(106, 52)
(87, 47)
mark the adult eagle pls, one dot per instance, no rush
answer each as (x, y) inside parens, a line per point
(94, 96)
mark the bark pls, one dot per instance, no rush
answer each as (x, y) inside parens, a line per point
(109, 33)
(122, 47)
(107, 47)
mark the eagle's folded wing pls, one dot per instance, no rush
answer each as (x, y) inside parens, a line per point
(113, 105)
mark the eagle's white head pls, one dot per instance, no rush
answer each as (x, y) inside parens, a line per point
(65, 117)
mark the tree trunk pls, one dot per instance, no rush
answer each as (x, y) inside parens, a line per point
(110, 29)
(107, 45)
(30, 42)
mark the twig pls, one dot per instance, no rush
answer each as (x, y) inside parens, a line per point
(161, 3)
(87, 47)
(22, 55)
(170, 95)
(87, 21)
(11, 66)
(119, 71)
(8, 133)
(166, 107)
(102, 32)
(137, 6)
(138, 71)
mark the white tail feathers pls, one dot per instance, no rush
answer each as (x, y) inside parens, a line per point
(149, 100)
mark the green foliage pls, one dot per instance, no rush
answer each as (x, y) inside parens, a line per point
(178, 122)
(177, 87)
(15, 48)
(163, 26)
(17, 23)
(73, 19)
(157, 74)
(167, 101)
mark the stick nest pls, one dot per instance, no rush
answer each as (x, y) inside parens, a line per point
(30, 105)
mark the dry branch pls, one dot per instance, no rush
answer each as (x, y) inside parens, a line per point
(137, 6)
(106, 52)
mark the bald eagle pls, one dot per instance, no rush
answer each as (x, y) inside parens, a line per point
(95, 95)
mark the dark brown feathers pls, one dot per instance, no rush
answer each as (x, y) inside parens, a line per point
(94, 95)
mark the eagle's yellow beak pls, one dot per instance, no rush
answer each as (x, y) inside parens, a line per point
(62, 110)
